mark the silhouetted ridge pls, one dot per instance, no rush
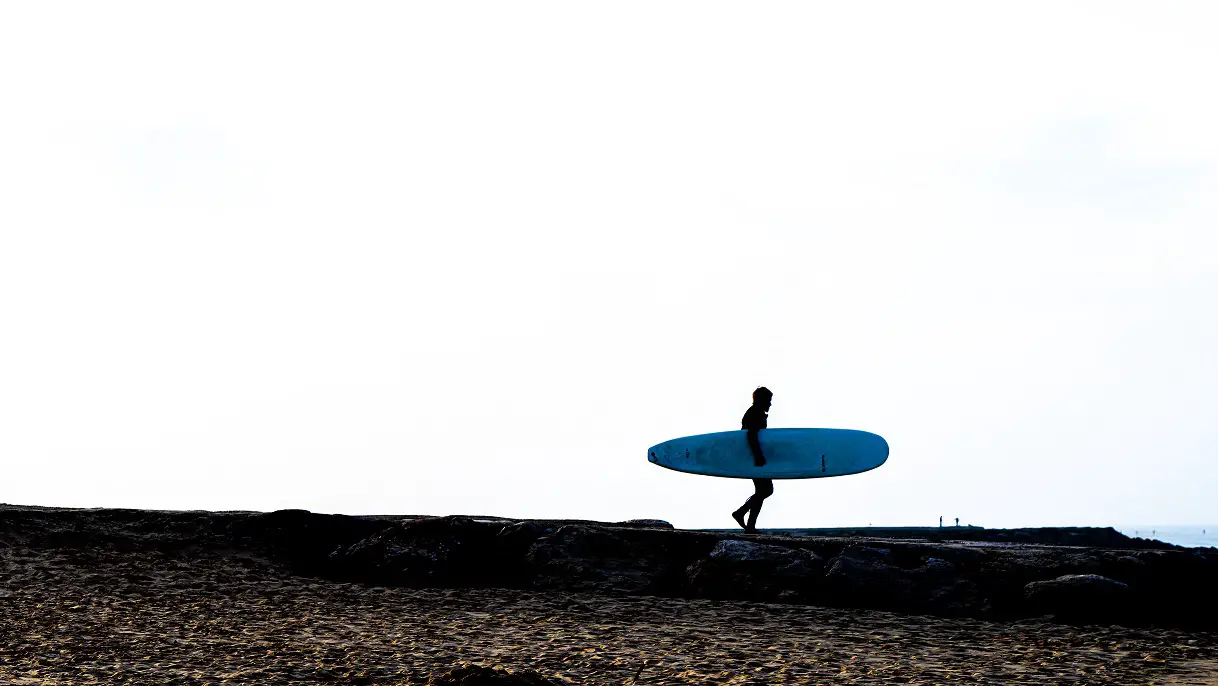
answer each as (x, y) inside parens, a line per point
(1073, 574)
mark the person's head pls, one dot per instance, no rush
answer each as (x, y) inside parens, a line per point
(762, 397)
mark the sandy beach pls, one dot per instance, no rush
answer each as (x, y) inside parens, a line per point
(216, 617)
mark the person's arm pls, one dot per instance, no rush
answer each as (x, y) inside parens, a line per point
(755, 446)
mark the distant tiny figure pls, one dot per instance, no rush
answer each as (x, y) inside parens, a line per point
(754, 420)
(957, 521)
(940, 521)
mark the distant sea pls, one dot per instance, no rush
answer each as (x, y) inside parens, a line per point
(1191, 536)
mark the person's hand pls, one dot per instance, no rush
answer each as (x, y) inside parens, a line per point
(759, 461)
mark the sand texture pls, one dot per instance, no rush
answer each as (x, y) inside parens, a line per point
(80, 616)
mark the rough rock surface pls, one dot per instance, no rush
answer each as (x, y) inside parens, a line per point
(436, 551)
(738, 569)
(647, 523)
(1078, 595)
(1163, 585)
(610, 559)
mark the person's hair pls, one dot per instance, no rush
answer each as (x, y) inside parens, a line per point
(762, 392)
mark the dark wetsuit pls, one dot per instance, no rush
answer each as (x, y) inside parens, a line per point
(753, 421)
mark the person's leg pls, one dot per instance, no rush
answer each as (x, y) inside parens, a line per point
(738, 514)
(764, 489)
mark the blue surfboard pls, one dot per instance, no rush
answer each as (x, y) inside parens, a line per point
(789, 453)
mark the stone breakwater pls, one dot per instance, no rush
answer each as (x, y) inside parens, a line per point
(1103, 578)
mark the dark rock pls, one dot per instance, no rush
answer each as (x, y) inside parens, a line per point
(750, 570)
(905, 579)
(1079, 597)
(1081, 536)
(862, 576)
(1193, 573)
(614, 559)
(476, 675)
(646, 523)
(945, 589)
(1090, 537)
(520, 536)
(432, 551)
(511, 550)
(302, 538)
(585, 558)
(110, 529)
(936, 565)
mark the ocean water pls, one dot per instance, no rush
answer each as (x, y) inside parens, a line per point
(1191, 536)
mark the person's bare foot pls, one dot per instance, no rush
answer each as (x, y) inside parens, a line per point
(739, 517)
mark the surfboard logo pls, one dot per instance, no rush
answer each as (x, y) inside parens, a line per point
(822, 462)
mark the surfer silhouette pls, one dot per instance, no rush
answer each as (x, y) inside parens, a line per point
(754, 420)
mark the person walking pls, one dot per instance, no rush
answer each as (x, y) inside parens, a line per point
(754, 420)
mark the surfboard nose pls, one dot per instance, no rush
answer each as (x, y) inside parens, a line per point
(884, 443)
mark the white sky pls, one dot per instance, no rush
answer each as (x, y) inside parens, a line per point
(475, 258)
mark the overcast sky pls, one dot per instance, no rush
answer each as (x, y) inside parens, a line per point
(475, 258)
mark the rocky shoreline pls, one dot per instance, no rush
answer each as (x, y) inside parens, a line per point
(1100, 577)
